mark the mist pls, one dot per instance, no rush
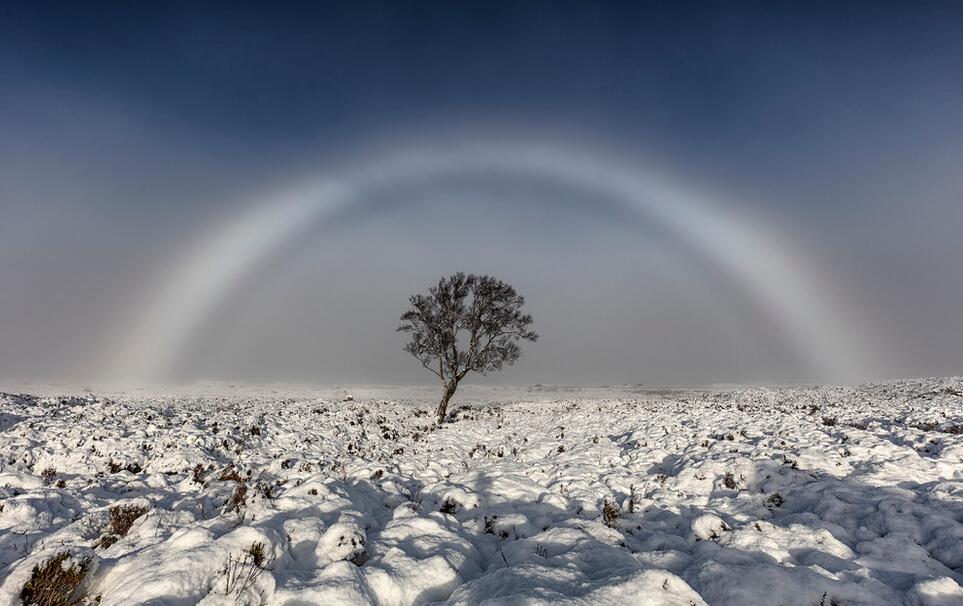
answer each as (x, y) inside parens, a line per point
(129, 145)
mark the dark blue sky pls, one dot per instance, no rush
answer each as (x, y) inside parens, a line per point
(123, 126)
(715, 77)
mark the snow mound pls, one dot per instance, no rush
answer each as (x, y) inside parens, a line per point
(283, 496)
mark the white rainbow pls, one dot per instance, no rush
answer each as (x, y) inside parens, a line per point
(753, 256)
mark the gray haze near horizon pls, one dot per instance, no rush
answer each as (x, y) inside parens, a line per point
(125, 137)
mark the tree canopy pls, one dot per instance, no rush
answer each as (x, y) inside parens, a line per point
(466, 323)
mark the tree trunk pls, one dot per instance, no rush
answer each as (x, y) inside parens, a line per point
(443, 406)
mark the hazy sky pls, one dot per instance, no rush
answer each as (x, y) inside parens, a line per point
(131, 134)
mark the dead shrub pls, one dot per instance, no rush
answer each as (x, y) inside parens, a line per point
(449, 506)
(238, 498)
(229, 475)
(122, 517)
(256, 551)
(54, 584)
(610, 513)
(490, 524)
(240, 574)
(198, 473)
(729, 481)
(265, 489)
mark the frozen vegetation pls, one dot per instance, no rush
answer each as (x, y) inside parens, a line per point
(231, 495)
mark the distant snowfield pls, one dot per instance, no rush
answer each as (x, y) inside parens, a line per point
(811, 496)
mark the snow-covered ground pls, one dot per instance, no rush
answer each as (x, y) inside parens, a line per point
(237, 495)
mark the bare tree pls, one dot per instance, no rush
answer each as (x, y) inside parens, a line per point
(466, 323)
